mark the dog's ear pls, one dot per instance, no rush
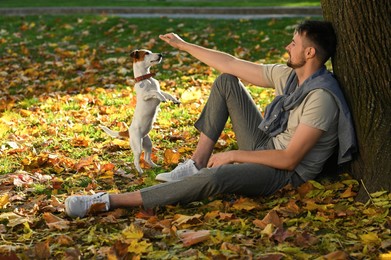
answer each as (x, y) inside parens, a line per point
(134, 54)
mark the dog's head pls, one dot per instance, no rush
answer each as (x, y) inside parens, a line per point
(146, 56)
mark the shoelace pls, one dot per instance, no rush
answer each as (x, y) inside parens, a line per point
(96, 199)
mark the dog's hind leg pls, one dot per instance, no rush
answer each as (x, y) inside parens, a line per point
(147, 146)
(135, 145)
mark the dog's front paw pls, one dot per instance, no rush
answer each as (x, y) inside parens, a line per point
(162, 99)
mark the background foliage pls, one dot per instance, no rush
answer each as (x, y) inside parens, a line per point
(155, 3)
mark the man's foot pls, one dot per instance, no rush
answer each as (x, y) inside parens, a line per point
(183, 170)
(80, 206)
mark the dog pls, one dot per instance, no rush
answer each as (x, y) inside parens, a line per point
(149, 96)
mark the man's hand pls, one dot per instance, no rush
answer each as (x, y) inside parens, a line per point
(173, 39)
(219, 159)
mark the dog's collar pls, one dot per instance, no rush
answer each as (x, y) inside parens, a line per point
(146, 76)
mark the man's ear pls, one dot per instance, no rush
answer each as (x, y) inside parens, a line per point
(310, 52)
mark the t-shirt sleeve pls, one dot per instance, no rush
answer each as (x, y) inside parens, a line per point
(320, 109)
(276, 75)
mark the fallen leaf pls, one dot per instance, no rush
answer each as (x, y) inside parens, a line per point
(42, 250)
(139, 247)
(370, 239)
(14, 219)
(290, 209)
(245, 204)
(281, 234)
(270, 218)
(4, 200)
(189, 237)
(337, 255)
(64, 240)
(55, 222)
(348, 193)
(123, 144)
(181, 220)
(132, 232)
(171, 157)
(97, 208)
(190, 95)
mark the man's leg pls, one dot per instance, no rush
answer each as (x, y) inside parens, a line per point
(228, 98)
(242, 179)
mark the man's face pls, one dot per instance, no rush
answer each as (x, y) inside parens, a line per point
(296, 52)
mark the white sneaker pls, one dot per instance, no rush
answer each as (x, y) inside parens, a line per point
(79, 205)
(183, 170)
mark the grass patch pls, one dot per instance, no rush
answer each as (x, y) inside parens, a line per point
(156, 3)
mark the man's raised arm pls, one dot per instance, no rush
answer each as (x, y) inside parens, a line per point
(223, 62)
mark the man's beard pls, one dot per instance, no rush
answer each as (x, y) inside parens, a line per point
(296, 65)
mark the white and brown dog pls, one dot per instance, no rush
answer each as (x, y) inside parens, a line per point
(149, 96)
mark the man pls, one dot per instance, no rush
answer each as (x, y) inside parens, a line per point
(302, 127)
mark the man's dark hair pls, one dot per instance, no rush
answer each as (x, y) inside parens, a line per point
(322, 35)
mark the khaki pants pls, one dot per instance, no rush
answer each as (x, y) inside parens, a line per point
(228, 99)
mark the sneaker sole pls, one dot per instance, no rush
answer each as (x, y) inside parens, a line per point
(162, 179)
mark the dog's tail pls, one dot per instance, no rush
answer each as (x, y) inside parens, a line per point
(115, 134)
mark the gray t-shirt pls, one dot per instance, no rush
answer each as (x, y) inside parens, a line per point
(318, 110)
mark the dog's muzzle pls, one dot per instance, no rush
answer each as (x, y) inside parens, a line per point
(159, 59)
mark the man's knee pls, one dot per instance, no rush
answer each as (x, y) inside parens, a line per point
(225, 82)
(226, 77)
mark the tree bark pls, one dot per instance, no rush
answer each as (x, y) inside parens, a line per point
(362, 67)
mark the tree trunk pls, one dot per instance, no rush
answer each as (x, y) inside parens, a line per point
(362, 66)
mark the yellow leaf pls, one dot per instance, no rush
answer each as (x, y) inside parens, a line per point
(370, 239)
(265, 94)
(27, 232)
(348, 193)
(78, 128)
(132, 232)
(14, 219)
(378, 194)
(285, 56)
(180, 219)
(4, 200)
(212, 215)
(121, 143)
(268, 230)
(80, 141)
(245, 204)
(139, 247)
(25, 113)
(190, 95)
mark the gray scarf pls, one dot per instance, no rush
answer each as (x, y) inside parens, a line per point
(277, 112)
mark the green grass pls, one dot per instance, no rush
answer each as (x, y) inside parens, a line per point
(152, 3)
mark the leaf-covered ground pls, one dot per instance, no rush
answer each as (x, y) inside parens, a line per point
(60, 77)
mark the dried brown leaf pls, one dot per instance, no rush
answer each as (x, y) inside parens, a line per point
(189, 237)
